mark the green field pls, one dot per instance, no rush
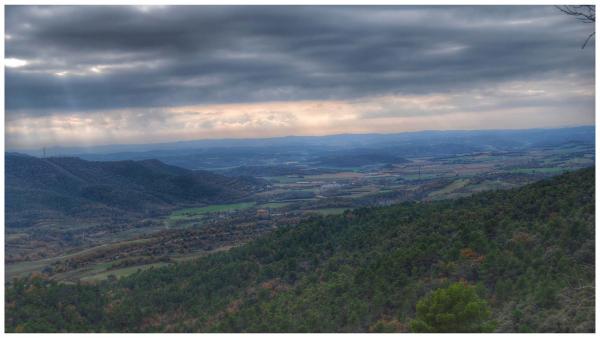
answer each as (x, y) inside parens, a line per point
(290, 200)
(490, 185)
(274, 205)
(193, 212)
(328, 211)
(456, 185)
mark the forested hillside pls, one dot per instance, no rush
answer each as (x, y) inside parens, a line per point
(49, 188)
(525, 255)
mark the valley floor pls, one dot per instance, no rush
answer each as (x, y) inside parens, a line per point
(72, 251)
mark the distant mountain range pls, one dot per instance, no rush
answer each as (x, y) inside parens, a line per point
(315, 150)
(506, 138)
(48, 188)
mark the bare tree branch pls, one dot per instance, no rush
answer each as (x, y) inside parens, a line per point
(588, 39)
(583, 13)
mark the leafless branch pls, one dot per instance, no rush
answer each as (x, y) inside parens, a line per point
(583, 13)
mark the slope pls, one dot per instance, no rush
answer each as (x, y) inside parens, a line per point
(528, 251)
(38, 189)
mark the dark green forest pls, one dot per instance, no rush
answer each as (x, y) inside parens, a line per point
(42, 189)
(519, 260)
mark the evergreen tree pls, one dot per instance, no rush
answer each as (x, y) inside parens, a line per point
(457, 308)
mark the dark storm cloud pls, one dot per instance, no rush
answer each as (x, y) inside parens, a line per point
(90, 58)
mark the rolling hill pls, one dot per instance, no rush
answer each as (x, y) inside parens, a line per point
(528, 252)
(386, 148)
(50, 188)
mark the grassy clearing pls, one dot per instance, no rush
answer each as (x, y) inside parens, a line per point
(22, 269)
(273, 205)
(328, 211)
(193, 212)
(121, 272)
(356, 193)
(491, 185)
(293, 200)
(198, 254)
(456, 185)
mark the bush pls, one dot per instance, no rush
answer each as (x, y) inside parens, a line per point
(453, 309)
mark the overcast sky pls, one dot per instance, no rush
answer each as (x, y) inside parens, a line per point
(84, 75)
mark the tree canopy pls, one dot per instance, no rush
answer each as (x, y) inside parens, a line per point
(456, 308)
(527, 254)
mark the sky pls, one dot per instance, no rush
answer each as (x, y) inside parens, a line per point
(90, 75)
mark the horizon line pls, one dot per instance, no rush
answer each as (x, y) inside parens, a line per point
(14, 149)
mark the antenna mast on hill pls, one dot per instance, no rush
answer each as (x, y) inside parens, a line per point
(44, 152)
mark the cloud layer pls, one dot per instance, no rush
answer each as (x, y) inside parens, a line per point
(144, 73)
